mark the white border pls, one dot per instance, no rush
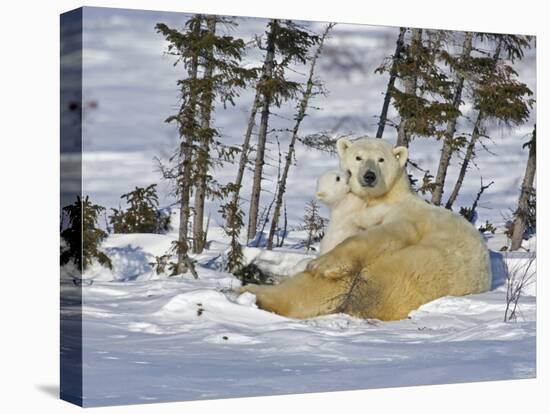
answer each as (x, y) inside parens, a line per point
(29, 203)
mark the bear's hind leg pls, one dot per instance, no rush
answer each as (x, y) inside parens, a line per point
(301, 296)
(269, 298)
(401, 281)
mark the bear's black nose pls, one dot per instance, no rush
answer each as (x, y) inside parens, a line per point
(369, 178)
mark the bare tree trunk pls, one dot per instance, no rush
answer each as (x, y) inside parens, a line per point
(203, 154)
(234, 222)
(466, 161)
(244, 153)
(185, 167)
(258, 172)
(262, 137)
(522, 211)
(403, 135)
(447, 149)
(184, 211)
(391, 83)
(285, 227)
(185, 190)
(302, 107)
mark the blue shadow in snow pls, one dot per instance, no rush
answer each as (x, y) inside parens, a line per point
(498, 265)
(130, 262)
(498, 269)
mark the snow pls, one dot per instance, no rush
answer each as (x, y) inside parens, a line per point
(151, 338)
(280, 263)
(156, 338)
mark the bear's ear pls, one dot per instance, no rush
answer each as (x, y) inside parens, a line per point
(401, 153)
(342, 145)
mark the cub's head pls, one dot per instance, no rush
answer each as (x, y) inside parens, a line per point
(332, 186)
(374, 165)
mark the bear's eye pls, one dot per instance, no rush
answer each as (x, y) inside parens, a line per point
(337, 178)
(380, 159)
(358, 158)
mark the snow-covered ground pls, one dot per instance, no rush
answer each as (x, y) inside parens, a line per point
(152, 338)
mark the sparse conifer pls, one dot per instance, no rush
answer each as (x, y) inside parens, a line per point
(82, 236)
(142, 214)
(285, 43)
(212, 65)
(314, 224)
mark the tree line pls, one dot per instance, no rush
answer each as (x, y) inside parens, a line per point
(433, 75)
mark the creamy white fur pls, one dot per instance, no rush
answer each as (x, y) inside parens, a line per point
(348, 213)
(417, 254)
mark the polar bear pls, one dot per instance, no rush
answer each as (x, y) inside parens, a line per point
(419, 253)
(348, 213)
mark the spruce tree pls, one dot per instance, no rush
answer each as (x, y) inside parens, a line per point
(286, 43)
(83, 237)
(497, 94)
(212, 64)
(391, 82)
(223, 77)
(459, 65)
(232, 211)
(142, 214)
(424, 98)
(409, 70)
(203, 150)
(314, 224)
(233, 222)
(307, 93)
(186, 46)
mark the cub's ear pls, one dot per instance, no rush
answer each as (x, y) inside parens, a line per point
(342, 145)
(319, 195)
(401, 153)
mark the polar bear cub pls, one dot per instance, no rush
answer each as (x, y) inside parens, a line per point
(348, 213)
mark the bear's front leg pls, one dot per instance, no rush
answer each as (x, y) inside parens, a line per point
(350, 256)
(339, 262)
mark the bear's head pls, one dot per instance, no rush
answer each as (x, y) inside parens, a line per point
(374, 165)
(332, 187)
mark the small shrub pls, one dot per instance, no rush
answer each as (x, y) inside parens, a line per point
(518, 278)
(314, 224)
(233, 217)
(82, 237)
(488, 227)
(252, 274)
(142, 215)
(161, 264)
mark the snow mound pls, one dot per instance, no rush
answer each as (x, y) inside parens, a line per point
(278, 263)
(202, 306)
